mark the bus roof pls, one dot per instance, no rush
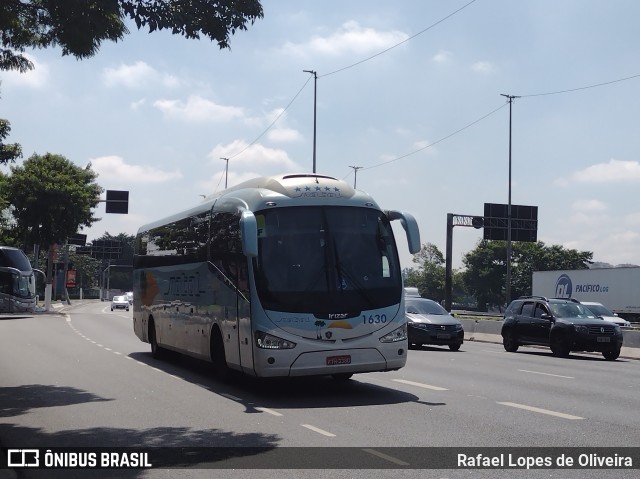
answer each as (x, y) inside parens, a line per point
(14, 258)
(281, 190)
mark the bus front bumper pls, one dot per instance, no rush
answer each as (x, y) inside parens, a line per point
(337, 361)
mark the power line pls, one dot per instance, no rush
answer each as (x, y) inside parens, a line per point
(581, 88)
(315, 76)
(273, 122)
(508, 102)
(401, 43)
(438, 141)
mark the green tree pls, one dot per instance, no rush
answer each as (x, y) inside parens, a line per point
(80, 26)
(486, 267)
(120, 272)
(87, 269)
(530, 257)
(51, 198)
(429, 276)
(127, 242)
(9, 152)
(485, 271)
(7, 228)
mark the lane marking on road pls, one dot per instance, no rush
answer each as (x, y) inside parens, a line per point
(269, 411)
(318, 430)
(420, 385)
(541, 411)
(545, 374)
(386, 457)
(77, 331)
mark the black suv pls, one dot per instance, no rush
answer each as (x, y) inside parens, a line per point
(563, 324)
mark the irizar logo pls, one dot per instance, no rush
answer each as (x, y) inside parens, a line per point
(564, 288)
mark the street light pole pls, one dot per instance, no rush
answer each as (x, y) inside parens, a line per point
(510, 99)
(355, 174)
(226, 172)
(315, 97)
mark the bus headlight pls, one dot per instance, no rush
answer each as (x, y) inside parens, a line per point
(269, 341)
(399, 334)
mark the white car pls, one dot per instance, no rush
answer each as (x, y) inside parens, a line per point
(603, 312)
(129, 296)
(120, 302)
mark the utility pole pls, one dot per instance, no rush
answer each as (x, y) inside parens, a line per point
(226, 172)
(315, 97)
(355, 174)
(510, 99)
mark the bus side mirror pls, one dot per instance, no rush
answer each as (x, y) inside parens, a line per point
(410, 226)
(249, 232)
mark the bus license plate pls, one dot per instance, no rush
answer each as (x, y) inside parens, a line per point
(334, 360)
(603, 339)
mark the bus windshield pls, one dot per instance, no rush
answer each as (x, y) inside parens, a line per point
(321, 259)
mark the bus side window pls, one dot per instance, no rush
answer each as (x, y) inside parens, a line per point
(5, 282)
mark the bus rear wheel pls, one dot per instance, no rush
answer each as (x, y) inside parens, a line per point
(220, 368)
(156, 351)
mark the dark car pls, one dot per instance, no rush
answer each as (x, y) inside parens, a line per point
(430, 323)
(564, 325)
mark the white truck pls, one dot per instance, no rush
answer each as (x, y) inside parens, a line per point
(617, 288)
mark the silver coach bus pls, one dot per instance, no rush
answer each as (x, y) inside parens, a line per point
(286, 275)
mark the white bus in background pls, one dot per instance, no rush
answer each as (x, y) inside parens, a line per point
(287, 275)
(17, 282)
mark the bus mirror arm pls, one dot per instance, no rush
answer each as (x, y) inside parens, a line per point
(410, 226)
(249, 231)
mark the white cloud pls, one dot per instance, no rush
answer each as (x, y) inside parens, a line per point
(114, 168)
(216, 182)
(421, 144)
(268, 161)
(280, 132)
(589, 206)
(137, 76)
(197, 109)
(136, 105)
(482, 67)
(36, 78)
(350, 38)
(584, 218)
(443, 56)
(632, 219)
(284, 135)
(613, 171)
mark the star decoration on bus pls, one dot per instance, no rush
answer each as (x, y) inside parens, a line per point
(312, 191)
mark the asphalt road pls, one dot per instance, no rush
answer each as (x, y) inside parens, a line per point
(83, 379)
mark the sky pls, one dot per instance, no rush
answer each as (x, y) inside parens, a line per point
(409, 106)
